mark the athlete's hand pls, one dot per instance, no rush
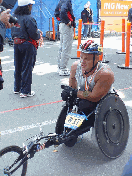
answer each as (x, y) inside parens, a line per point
(4, 17)
(68, 92)
(69, 24)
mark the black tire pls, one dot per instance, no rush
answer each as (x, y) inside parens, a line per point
(61, 120)
(111, 126)
(12, 150)
(60, 126)
(71, 142)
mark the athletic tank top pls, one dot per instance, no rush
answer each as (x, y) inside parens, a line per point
(81, 80)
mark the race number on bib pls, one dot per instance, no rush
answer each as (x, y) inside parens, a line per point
(74, 120)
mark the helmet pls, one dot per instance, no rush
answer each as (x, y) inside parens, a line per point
(90, 47)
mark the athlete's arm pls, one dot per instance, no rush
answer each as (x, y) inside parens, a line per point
(101, 88)
(72, 79)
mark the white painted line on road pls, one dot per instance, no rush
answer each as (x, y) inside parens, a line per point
(128, 103)
(7, 62)
(44, 69)
(48, 47)
(9, 70)
(27, 127)
(5, 57)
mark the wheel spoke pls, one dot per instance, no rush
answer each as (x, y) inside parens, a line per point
(8, 157)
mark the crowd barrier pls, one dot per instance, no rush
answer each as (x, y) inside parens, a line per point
(123, 38)
(128, 35)
(127, 58)
(101, 38)
(53, 26)
(79, 36)
(102, 58)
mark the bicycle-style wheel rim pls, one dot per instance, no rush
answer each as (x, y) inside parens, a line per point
(7, 157)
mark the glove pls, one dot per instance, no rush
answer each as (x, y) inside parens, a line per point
(68, 92)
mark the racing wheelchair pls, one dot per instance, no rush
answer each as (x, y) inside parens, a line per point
(109, 121)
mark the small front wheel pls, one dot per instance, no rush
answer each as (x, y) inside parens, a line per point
(71, 142)
(8, 156)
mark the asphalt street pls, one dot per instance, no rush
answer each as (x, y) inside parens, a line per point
(22, 118)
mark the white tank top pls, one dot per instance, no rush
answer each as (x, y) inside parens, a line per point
(81, 80)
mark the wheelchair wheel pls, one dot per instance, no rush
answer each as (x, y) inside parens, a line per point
(111, 126)
(71, 142)
(61, 120)
(8, 156)
(60, 126)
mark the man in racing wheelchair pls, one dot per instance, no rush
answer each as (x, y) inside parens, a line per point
(91, 102)
(90, 80)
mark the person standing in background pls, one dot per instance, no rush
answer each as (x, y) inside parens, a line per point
(86, 16)
(4, 24)
(64, 14)
(25, 39)
(130, 14)
(130, 17)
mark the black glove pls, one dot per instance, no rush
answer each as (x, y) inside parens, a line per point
(68, 92)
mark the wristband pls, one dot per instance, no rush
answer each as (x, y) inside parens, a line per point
(85, 93)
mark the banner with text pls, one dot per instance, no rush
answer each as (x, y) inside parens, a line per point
(115, 8)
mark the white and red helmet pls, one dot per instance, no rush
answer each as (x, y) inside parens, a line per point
(90, 47)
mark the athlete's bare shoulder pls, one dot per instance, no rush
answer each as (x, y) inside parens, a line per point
(105, 72)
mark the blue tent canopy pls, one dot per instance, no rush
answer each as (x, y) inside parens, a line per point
(43, 11)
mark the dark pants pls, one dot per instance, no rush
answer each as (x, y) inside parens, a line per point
(34, 58)
(87, 106)
(89, 30)
(85, 32)
(23, 62)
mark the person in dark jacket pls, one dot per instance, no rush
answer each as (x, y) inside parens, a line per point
(130, 14)
(86, 16)
(25, 37)
(64, 14)
(130, 17)
(4, 23)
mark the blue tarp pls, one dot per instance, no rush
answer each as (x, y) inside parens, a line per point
(43, 10)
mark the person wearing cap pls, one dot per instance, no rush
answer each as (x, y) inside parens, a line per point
(25, 37)
(64, 14)
(86, 16)
(90, 80)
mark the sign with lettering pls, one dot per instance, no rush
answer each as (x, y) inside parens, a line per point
(115, 8)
